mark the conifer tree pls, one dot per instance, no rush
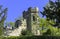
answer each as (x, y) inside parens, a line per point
(52, 12)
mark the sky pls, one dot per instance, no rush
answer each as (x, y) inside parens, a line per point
(16, 7)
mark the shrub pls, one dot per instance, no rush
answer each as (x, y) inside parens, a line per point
(48, 32)
(26, 32)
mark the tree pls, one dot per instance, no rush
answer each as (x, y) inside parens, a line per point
(52, 12)
(3, 15)
(48, 32)
(46, 28)
(10, 24)
(44, 23)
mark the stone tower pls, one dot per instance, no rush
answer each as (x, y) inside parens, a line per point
(31, 16)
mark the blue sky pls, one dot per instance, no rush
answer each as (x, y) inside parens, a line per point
(16, 7)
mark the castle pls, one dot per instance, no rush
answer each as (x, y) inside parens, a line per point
(29, 22)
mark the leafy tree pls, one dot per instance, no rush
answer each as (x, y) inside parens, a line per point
(43, 23)
(10, 23)
(46, 28)
(52, 12)
(48, 32)
(3, 15)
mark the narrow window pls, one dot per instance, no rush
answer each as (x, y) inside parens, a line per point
(33, 18)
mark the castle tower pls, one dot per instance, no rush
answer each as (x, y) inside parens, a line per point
(31, 16)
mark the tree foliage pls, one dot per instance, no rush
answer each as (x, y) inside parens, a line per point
(46, 28)
(10, 24)
(3, 15)
(52, 11)
(26, 33)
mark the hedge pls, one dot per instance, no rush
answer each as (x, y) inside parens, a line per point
(33, 37)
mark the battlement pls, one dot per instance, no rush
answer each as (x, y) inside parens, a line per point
(33, 10)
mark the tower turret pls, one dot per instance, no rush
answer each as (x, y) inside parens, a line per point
(31, 16)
